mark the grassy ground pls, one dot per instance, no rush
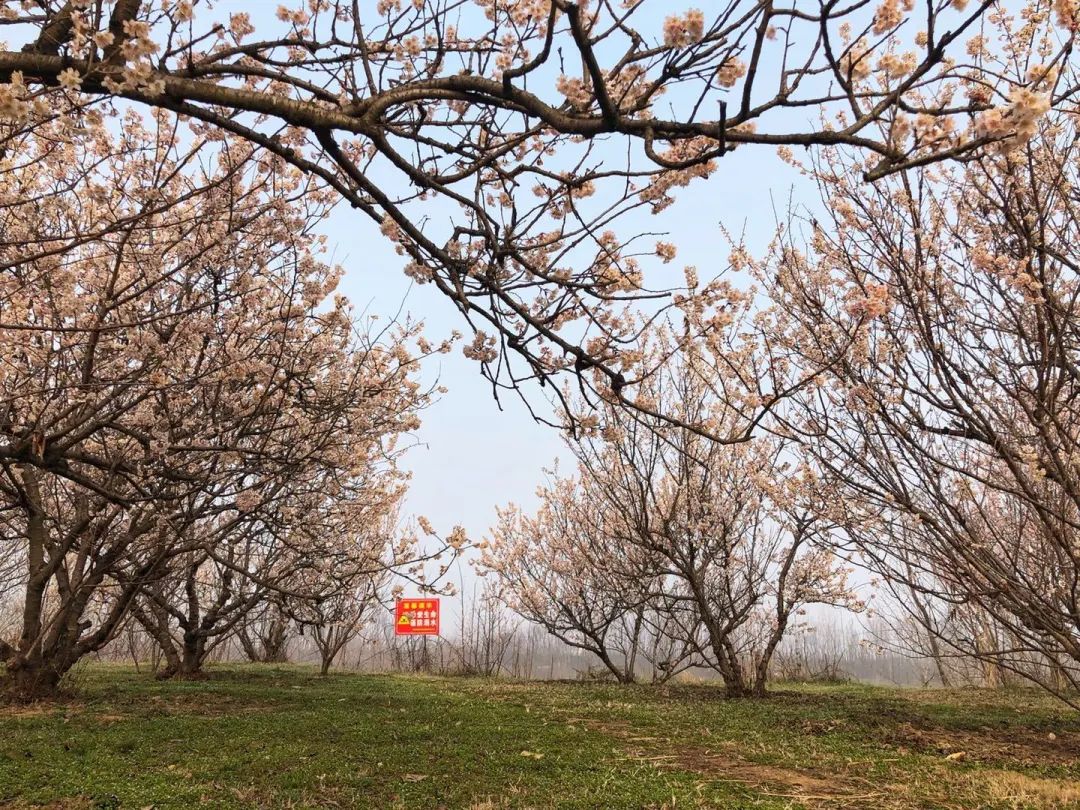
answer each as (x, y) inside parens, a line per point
(283, 737)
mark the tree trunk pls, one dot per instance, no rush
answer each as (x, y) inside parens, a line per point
(248, 645)
(188, 665)
(631, 663)
(727, 660)
(736, 687)
(761, 674)
(730, 670)
(276, 651)
(26, 681)
(191, 668)
(621, 674)
(153, 623)
(932, 633)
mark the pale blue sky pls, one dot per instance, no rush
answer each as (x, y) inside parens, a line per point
(471, 456)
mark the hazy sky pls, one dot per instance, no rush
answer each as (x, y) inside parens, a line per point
(472, 456)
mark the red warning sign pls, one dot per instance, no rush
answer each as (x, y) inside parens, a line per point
(416, 617)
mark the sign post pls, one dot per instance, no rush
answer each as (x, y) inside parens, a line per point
(416, 617)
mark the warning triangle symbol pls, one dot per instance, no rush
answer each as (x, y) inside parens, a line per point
(403, 620)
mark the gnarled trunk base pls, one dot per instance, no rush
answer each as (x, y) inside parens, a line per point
(24, 681)
(188, 667)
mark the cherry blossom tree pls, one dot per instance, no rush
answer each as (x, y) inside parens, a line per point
(723, 543)
(335, 602)
(73, 546)
(175, 375)
(265, 632)
(340, 617)
(737, 529)
(559, 569)
(506, 114)
(204, 601)
(951, 422)
(171, 372)
(303, 536)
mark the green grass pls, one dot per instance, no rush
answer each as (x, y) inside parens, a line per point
(283, 737)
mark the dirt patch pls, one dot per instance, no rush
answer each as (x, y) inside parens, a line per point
(33, 710)
(41, 708)
(1022, 747)
(723, 763)
(118, 711)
